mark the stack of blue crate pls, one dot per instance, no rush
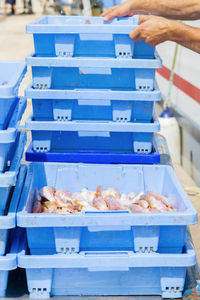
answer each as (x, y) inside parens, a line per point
(12, 174)
(12, 142)
(9, 243)
(93, 88)
(93, 95)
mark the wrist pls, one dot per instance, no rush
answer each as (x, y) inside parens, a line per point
(174, 31)
(141, 6)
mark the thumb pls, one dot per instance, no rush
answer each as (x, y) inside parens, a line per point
(134, 34)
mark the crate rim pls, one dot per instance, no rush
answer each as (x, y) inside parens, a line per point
(25, 219)
(94, 62)
(90, 94)
(105, 27)
(125, 259)
(104, 126)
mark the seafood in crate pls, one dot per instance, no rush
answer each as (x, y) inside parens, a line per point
(104, 230)
(50, 200)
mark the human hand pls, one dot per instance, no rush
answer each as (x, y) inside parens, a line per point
(125, 9)
(153, 30)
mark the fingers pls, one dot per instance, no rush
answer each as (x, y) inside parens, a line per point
(143, 18)
(111, 13)
(135, 34)
(121, 10)
(107, 12)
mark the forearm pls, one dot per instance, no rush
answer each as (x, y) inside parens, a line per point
(172, 9)
(185, 35)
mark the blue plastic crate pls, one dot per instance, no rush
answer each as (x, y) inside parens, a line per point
(105, 231)
(160, 154)
(95, 73)
(8, 220)
(56, 136)
(107, 105)
(16, 242)
(159, 151)
(108, 273)
(9, 177)
(8, 136)
(87, 36)
(11, 75)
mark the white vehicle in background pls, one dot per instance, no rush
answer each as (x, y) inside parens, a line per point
(184, 100)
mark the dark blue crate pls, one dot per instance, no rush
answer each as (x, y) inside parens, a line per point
(87, 36)
(93, 157)
(11, 75)
(159, 154)
(100, 105)
(94, 73)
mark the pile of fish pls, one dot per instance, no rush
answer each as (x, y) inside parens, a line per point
(50, 200)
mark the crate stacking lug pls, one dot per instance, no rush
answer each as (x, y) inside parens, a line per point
(67, 239)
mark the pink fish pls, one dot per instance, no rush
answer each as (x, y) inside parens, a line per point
(135, 208)
(100, 204)
(99, 192)
(112, 192)
(113, 204)
(61, 203)
(48, 193)
(143, 203)
(161, 198)
(156, 204)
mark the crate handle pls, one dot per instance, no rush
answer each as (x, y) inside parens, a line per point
(95, 70)
(92, 134)
(17, 115)
(96, 102)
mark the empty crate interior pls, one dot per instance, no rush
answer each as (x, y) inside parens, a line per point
(10, 73)
(78, 20)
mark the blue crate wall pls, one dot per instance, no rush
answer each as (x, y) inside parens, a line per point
(115, 273)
